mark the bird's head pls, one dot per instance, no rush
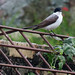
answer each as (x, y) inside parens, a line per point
(57, 10)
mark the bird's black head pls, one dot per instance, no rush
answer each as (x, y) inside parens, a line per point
(57, 10)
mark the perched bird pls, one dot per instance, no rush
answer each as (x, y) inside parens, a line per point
(51, 22)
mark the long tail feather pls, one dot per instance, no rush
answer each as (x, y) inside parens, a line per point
(30, 27)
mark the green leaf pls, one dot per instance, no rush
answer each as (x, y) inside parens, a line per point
(60, 65)
(61, 51)
(66, 47)
(73, 41)
(68, 41)
(50, 58)
(61, 58)
(31, 73)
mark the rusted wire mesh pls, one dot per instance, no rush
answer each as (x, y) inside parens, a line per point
(30, 66)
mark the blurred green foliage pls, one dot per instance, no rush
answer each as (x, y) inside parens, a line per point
(31, 73)
(66, 52)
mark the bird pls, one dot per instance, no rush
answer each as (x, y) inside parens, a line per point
(51, 22)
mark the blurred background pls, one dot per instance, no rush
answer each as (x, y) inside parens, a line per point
(23, 13)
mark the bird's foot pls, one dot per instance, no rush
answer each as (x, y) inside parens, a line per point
(53, 33)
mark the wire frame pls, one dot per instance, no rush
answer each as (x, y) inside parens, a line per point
(32, 48)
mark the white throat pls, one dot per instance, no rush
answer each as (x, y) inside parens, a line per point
(58, 13)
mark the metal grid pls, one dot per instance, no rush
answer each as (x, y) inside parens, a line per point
(30, 66)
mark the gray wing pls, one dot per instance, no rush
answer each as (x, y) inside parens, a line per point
(49, 20)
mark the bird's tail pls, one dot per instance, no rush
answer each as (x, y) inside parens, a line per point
(34, 26)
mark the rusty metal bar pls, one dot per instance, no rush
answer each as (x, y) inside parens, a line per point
(47, 42)
(27, 40)
(18, 50)
(30, 31)
(55, 73)
(36, 68)
(8, 32)
(1, 73)
(9, 61)
(68, 67)
(44, 60)
(34, 47)
(26, 48)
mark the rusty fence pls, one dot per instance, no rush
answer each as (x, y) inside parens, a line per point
(10, 30)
